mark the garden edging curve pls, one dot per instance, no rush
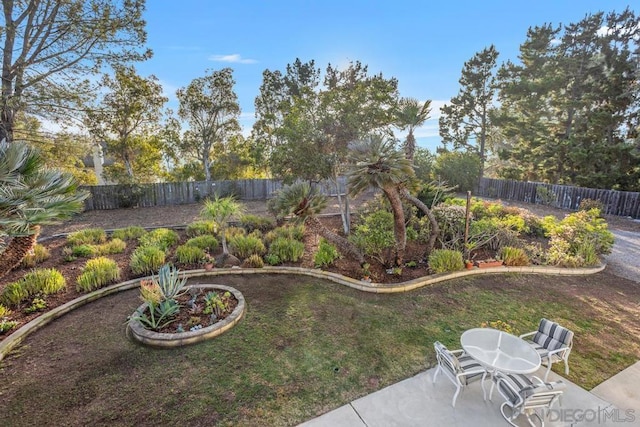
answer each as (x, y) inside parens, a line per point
(18, 336)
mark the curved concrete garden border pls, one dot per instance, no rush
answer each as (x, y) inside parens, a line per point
(157, 339)
(18, 336)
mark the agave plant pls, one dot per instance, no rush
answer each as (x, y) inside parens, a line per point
(169, 282)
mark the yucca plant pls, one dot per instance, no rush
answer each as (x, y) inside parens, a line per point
(97, 273)
(147, 259)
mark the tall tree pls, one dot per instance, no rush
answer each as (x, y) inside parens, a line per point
(569, 109)
(31, 196)
(210, 106)
(465, 121)
(128, 119)
(411, 114)
(51, 47)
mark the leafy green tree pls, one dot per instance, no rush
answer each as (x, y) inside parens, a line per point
(465, 121)
(50, 48)
(210, 106)
(409, 115)
(569, 109)
(64, 151)
(304, 203)
(375, 162)
(128, 119)
(423, 161)
(31, 196)
(458, 169)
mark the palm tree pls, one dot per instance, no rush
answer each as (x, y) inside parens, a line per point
(409, 115)
(375, 162)
(220, 210)
(30, 196)
(304, 203)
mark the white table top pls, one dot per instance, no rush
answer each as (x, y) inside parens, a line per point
(501, 351)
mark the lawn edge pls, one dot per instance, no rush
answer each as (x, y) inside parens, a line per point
(14, 339)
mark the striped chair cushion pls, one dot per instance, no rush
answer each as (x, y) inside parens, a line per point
(468, 363)
(551, 336)
(450, 361)
(520, 384)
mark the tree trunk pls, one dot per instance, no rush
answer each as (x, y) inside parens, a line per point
(410, 147)
(399, 226)
(435, 228)
(344, 246)
(17, 249)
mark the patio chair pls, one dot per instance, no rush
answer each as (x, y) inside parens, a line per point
(460, 368)
(525, 396)
(553, 343)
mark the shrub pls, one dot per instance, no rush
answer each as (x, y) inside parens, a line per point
(189, 254)
(254, 261)
(199, 228)
(44, 280)
(36, 305)
(146, 259)
(129, 233)
(295, 232)
(97, 273)
(588, 204)
(4, 311)
(578, 230)
(545, 196)
(375, 235)
(40, 253)
(14, 293)
(451, 220)
(162, 238)
(514, 256)
(115, 246)
(245, 246)
(492, 233)
(254, 222)
(205, 242)
(287, 250)
(444, 260)
(87, 236)
(326, 254)
(272, 259)
(82, 251)
(7, 325)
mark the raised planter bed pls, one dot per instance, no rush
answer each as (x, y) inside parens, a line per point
(158, 339)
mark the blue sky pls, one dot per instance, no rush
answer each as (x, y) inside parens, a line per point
(422, 44)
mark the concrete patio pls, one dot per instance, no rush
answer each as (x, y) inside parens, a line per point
(417, 401)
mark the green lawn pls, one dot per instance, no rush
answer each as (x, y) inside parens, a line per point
(305, 347)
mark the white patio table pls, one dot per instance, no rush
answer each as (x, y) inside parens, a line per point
(500, 351)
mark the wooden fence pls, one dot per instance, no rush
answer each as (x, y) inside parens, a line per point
(621, 203)
(177, 193)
